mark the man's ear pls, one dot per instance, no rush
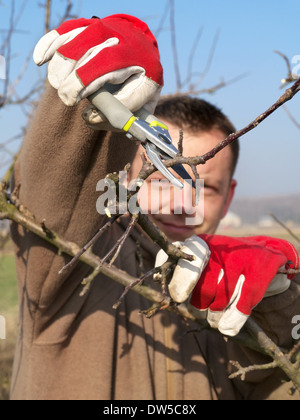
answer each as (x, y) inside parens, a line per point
(231, 192)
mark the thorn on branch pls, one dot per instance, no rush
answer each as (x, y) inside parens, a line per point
(137, 282)
(285, 227)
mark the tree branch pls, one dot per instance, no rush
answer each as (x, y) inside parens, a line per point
(282, 361)
(11, 212)
(260, 342)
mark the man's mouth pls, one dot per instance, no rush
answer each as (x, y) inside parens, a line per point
(175, 229)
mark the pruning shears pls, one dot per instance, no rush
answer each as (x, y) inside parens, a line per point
(146, 128)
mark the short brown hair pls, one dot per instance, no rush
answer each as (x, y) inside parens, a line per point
(197, 115)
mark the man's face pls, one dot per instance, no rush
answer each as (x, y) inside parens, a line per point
(218, 188)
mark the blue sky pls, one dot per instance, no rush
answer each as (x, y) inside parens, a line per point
(249, 32)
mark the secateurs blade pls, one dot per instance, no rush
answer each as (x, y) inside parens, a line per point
(146, 128)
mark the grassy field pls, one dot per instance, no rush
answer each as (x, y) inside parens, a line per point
(8, 309)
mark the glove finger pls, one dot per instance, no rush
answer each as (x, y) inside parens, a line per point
(228, 292)
(72, 24)
(213, 318)
(282, 248)
(87, 38)
(117, 77)
(187, 273)
(121, 58)
(161, 258)
(139, 92)
(205, 290)
(42, 49)
(198, 313)
(50, 43)
(63, 73)
(231, 322)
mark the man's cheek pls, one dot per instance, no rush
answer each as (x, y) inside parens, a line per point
(213, 211)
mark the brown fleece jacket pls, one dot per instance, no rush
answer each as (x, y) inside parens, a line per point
(72, 347)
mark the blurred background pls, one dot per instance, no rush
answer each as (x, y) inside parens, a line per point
(221, 51)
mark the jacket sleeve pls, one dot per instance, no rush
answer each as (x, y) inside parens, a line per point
(61, 162)
(59, 167)
(275, 315)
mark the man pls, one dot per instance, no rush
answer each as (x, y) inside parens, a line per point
(204, 126)
(72, 347)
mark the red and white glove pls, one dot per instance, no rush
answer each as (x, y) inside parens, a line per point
(86, 54)
(239, 274)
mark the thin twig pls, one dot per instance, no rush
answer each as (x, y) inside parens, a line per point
(200, 160)
(295, 350)
(174, 45)
(285, 227)
(242, 372)
(273, 351)
(291, 117)
(291, 77)
(131, 286)
(94, 239)
(48, 14)
(120, 242)
(210, 90)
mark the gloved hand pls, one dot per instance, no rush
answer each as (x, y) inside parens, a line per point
(86, 54)
(239, 274)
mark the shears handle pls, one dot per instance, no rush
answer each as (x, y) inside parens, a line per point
(115, 112)
(111, 108)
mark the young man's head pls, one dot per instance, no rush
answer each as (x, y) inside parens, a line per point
(204, 126)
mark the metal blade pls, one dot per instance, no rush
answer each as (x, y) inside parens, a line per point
(179, 169)
(157, 162)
